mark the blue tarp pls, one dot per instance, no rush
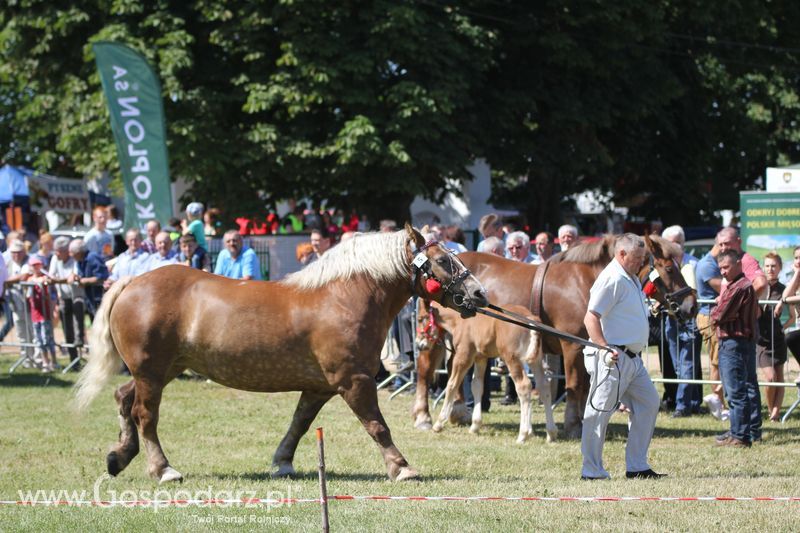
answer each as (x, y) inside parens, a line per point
(13, 183)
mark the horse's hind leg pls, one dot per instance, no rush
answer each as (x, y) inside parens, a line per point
(145, 412)
(128, 445)
(523, 387)
(362, 397)
(306, 411)
(577, 389)
(546, 398)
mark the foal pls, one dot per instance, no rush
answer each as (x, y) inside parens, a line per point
(483, 338)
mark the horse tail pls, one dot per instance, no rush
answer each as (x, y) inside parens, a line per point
(104, 358)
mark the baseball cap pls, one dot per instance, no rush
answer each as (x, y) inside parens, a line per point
(16, 246)
(35, 260)
(194, 209)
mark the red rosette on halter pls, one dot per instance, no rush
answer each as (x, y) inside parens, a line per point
(649, 289)
(432, 286)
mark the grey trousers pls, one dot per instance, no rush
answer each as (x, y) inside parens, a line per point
(638, 393)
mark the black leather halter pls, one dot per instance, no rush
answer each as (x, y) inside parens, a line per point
(675, 298)
(418, 266)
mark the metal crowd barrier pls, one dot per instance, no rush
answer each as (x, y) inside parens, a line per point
(26, 340)
(664, 349)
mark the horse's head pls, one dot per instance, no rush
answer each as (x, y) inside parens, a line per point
(437, 274)
(429, 330)
(663, 280)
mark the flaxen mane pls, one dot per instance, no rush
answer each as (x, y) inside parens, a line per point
(381, 256)
(601, 252)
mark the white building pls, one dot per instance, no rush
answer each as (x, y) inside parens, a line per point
(466, 210)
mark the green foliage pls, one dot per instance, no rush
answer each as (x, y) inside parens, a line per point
(369, 104)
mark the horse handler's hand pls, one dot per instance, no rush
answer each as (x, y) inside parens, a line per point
(610, 357)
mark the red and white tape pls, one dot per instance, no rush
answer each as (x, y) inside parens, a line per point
(291, 501)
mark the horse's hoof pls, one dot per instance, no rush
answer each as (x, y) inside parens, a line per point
(423, 426)
(170, 474)
(574, 432)
(460, 415)
(475, 429)
(523, 438)
(283, 471)
(407, 473)
(552, 436)
(113, 465)
(438, 427)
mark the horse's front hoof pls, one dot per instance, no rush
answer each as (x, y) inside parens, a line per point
(574, 432)
(407, 473)
(438, 427)
(523, 438)
(475, 429)
(424, 426)
(283, 471)
(552, 435)
(170, 474)
(460, 415)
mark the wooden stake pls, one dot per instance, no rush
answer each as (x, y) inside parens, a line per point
(323, 491)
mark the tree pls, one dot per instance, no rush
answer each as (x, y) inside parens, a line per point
(365, 103)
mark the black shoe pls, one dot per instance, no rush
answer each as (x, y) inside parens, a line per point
(677, 413)
(644, 474)
(508, 400)
(587, 478)
(722, 437)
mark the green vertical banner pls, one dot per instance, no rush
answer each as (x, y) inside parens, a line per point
(134, 101)
(770, 222)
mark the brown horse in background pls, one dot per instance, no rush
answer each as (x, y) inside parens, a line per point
(564, 300)
(318, 331)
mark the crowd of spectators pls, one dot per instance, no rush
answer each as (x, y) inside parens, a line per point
(51, 281)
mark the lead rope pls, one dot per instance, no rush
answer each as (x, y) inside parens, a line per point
(524, 322)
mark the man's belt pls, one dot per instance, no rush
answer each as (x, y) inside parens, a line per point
(630, 353)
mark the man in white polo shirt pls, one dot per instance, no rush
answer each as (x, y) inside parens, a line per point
(617, 317)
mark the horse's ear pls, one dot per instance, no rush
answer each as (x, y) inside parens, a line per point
(652, 246)
(414, 236)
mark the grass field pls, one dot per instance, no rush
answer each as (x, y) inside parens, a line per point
(222, 441)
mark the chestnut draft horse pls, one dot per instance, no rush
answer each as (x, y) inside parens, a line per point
(564, 299)
(318, 331)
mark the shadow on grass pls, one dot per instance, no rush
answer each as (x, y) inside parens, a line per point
(615, 431)
(331, 475)
(618, 432)
(34, 380)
